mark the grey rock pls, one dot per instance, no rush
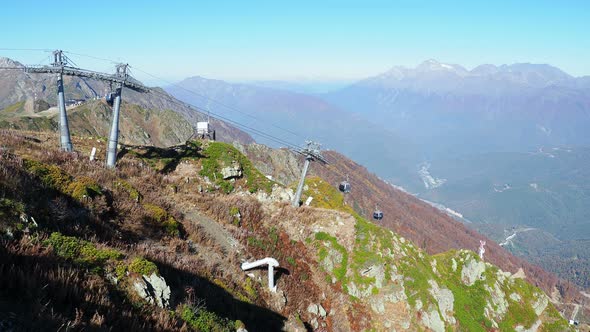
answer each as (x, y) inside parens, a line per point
(445, 300)
(279, 300)
(472, 271)
(540, 305)
(231, 172)
(153, 289)
(533, 328)
(322, 311)
(313, 309)
(112, 278)
(315, 324)
(498, 306)
(432, 320)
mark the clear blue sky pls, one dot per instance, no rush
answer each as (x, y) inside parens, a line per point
(327, 40)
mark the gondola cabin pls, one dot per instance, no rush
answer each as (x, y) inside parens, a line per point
(109, 98)
(377, 214)
(344, 187)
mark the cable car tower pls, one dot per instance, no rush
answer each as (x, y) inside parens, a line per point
(120, 79)
(60, 62)
(311, 153)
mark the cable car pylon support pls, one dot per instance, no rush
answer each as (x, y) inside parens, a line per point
(311, 153)
(58, 66)
(120, 79)
(114, 134)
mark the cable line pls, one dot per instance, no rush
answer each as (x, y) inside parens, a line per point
(218, 102)
(91, 57)
(230, 121)
(26, 49)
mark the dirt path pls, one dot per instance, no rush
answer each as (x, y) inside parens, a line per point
(214, 230)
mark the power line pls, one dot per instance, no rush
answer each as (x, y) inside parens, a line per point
(91, 57)
(235, 123)
(219, 103)
(26, 49)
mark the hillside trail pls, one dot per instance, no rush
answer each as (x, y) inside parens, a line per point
(215, 231)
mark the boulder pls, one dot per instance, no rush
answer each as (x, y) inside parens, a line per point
(313, 309)
(472, 271)
(232, 171)
(445, 299)
(431, 319)
(153, 289)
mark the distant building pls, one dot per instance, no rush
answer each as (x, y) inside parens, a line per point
(75, 102)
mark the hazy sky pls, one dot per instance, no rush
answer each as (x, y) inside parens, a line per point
(326, 40)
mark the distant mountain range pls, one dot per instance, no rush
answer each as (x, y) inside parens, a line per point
(452, 110)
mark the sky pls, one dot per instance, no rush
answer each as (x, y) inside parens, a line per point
(296, 40)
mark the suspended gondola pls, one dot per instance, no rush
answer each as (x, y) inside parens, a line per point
(109, 99)
(377, 214)
(345, 186)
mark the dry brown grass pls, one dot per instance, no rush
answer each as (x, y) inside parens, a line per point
(47, 293)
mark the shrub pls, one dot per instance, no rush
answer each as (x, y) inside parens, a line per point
(142, 266)
(166, 221)
(80, 251)
(50, 175)
(10, 209)
(120, 270)
(133, 193)
(84, 187)
(202, 320)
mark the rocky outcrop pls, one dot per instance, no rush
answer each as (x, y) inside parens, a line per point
(278, 194)
(541, 303)
(445, 300)
(431, 319)
(232, 171)
(153, 289)
(472, 271)
(281, 164)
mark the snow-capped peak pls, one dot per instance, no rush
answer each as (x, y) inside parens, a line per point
(430, 65)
